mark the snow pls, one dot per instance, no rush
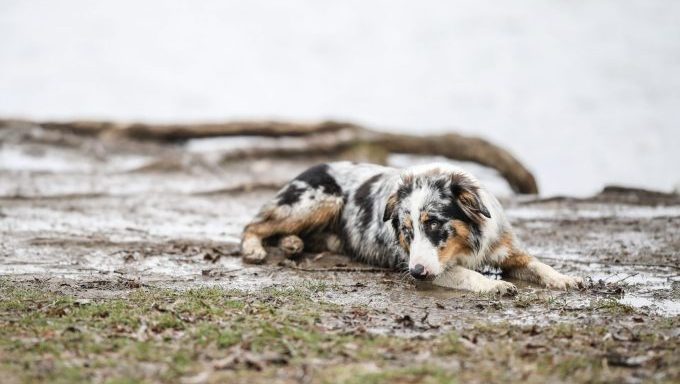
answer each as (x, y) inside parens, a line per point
(585, 93)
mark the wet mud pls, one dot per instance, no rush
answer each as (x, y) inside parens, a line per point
(99, 219)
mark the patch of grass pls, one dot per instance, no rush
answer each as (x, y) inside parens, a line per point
(569, 367)
(315, 286)
(611, 306)
(159, 335)
(124, 380)
(159, 326)
(227, 338)
(419, 374)
(563, 330)
(449, 344)
(525, 300)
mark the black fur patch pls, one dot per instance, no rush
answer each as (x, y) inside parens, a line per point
(440, 184)
(364, 200)
(453, 211)
(290, 195)
(395, 226)
(437, 235)
(317, 176)
(404, 191)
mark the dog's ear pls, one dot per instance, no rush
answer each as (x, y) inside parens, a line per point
(390, 206)
(466, 194)
(468, 200)
(472, 205)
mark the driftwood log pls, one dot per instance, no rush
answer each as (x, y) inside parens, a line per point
(325, 138)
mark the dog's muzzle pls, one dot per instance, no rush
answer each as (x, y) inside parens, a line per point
(419, 272)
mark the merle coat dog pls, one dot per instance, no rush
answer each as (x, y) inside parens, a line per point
(436, 220)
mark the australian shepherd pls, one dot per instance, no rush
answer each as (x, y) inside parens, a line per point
(435, 220)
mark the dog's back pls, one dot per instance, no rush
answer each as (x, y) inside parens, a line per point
(341, 199)
(364, 234)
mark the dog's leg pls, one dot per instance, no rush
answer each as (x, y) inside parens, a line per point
(333, 243)
(291, 245)
(520, 265)
(467, 279)
(324, 242)
(311, 210)
(252, 249)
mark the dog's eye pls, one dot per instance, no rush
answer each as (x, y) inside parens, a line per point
(433, 225)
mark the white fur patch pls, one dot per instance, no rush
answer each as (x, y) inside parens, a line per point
(462, 278)
(551, 278)
(425, 254)
(422, 251)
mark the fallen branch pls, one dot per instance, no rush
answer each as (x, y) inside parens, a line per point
(459, 147)
(325, 138)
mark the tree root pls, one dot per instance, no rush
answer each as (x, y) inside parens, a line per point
(328, 138)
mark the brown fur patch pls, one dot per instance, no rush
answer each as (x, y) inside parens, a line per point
(402, 241)
(390, 206)
(461, 228)
(504, 243)
(456, 245)
(407, 178)
(470, 204)
(408, 223)
(321, 217)
(424, 217)
(516, 258)
(467, 198)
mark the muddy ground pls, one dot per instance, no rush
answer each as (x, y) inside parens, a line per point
(119, 260)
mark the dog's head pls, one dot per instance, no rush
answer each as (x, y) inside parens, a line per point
(437, 216)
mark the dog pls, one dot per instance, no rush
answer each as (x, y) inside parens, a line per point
(436, 220)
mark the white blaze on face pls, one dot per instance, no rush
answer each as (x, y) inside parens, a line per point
(422, 251)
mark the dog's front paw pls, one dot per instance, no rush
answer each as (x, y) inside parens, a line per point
(498, 287)
(254, 255)
(504, 288)
(562, 282)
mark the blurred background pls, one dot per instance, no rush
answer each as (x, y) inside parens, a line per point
(585, 93)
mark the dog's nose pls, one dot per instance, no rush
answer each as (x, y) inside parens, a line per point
(418, 271)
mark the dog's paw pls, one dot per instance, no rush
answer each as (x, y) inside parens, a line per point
(334, 244)
(498, 287)
(563, 282)
(291, 245)
(254, 255)
(504, 288)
